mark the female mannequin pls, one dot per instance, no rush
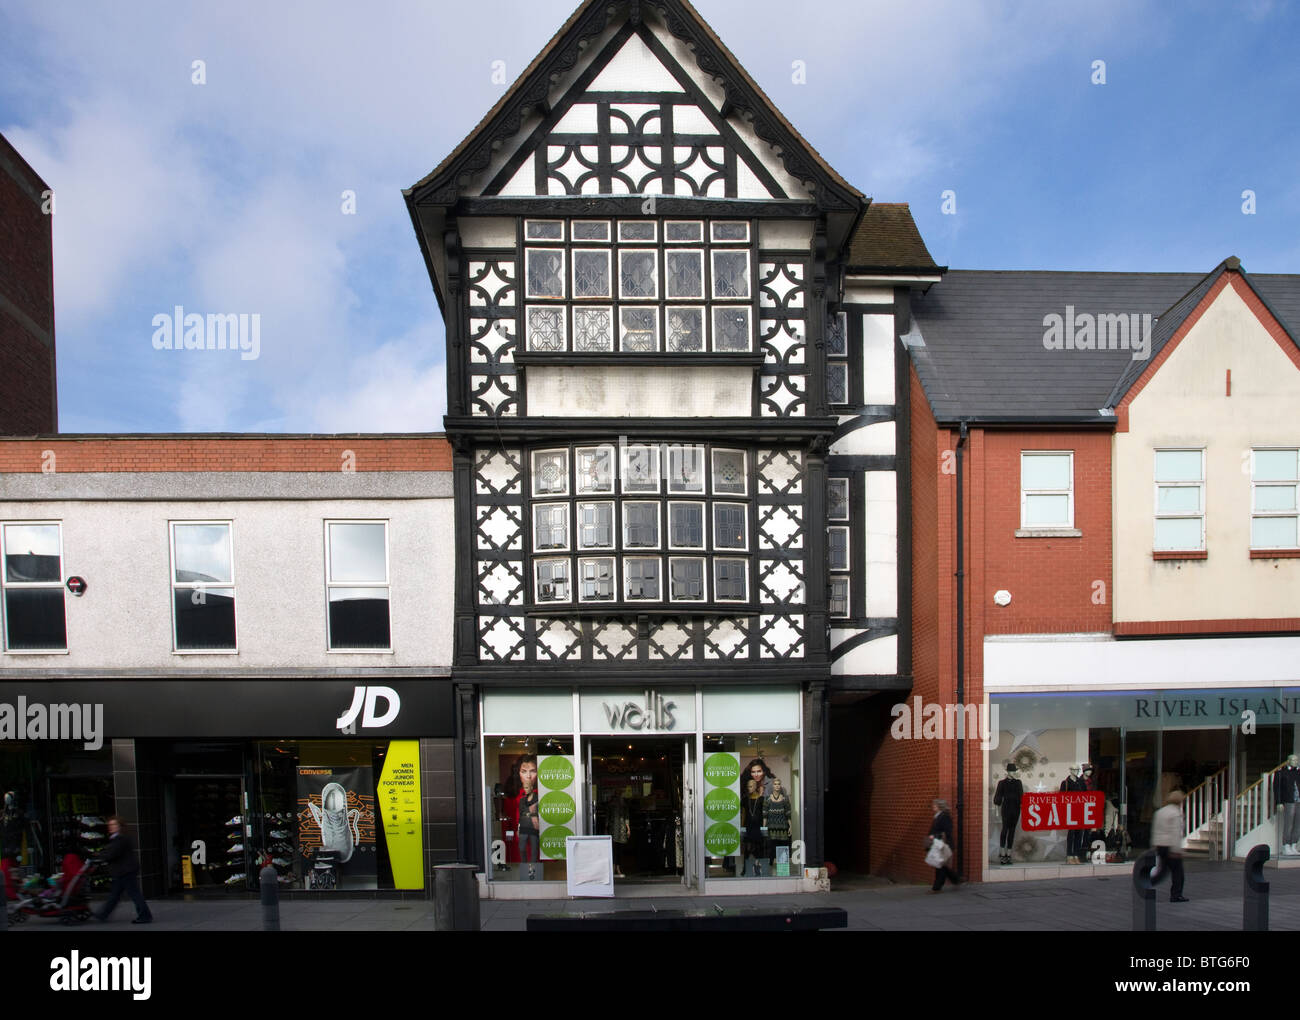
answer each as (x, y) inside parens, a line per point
(1008, 795)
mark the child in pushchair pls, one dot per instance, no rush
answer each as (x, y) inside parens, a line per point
(63, 896)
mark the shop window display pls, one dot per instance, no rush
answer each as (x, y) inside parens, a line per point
(750, 804)
(532, 792)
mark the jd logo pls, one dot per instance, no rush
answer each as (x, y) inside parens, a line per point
(367, 696)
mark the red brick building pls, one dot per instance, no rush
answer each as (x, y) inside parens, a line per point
(28, 390)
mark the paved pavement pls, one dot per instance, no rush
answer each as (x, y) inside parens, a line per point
(872, 904)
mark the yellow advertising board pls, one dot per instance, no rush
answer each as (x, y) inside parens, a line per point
(399, 805)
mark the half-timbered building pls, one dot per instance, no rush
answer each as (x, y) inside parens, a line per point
(672, 391)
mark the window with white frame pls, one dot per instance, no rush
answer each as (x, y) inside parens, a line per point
(1180, 501)
(837, 546)
(551, 527)
(708, 533)
(1047, 489)
(32, 582)
(357, 584)
(203, 586)
(1274, 507)
(837, 359)
(552, 581)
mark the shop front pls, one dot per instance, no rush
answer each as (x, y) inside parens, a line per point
(334, 783)
(1221, 746)
(697, 788)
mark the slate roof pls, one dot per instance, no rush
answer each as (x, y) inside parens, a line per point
(977, 338)
(887, 239)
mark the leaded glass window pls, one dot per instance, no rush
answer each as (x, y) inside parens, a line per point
(837, 382)
(641, 525)
(591, 274)
(687, 579)
(729, 472)
(640, 328)
(683, 231)
(731, 274)
(729, 525)
(595, 469)
(839, 598)
(593, 329)
(638, 275)
(641, 579)
(552, 581)
(591, 230)
(546, 328)
(641, 468)
(837, 499)
(730, 231)
(551, 473)
(685, 329)
(838, 548)
(636, 230)
(544, 230)
(684, 274)
(730, 328)
(545, 273)
(837, 340)
(685, 468)
(686, 525)
(551, 526)
(595, 525)
(597, 584)
(729, 578)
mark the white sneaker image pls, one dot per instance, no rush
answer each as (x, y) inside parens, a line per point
(338, 825)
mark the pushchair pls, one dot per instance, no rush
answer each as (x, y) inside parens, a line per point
(64, 896)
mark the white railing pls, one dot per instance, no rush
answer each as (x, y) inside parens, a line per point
(1204, 803)
(1255, 803)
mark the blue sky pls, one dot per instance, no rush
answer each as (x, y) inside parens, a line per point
(227, 196)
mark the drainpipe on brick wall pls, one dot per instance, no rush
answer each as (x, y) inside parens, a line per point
(961, 651)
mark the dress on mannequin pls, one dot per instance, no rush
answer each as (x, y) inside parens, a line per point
(1008, 795)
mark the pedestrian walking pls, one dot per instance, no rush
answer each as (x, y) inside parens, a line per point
(939, 855)
(124, 869)
(1167, 836)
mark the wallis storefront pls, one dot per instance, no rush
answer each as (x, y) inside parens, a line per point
(698, 787)
(339, 784)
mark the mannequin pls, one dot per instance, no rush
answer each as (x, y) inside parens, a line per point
(1286, 795)
(1074, 837)
(754, 835)
(1086, 838)
(1008, 795)
(776, 812)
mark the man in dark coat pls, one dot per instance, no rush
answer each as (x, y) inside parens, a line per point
(124, 869)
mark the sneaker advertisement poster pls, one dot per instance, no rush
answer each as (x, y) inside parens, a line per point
(336, 828)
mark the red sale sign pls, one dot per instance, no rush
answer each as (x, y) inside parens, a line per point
(1081, 810)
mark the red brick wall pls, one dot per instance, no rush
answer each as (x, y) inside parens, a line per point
(1052, 580)
(27, 390)
(907, 774)
(226, 453)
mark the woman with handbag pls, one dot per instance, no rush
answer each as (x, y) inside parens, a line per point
(939, 855)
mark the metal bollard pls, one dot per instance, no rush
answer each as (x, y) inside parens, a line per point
(1144, 893)
(1254, 894)
(455, 897)
(270, 899)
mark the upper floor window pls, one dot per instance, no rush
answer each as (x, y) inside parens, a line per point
(603, 286)
(1047, 489)
(837, 359)
(32, 581)
(203, 586)
(1275, 510)
(1180, 500)
(357, 585)
(837, 546)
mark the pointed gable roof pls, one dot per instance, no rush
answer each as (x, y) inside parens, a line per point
(1177, 322)
(530, 95)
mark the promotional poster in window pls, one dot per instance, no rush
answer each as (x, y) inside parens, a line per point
(336, 828)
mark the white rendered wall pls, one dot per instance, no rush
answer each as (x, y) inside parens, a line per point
(617, 391)
(1185, 405)
(124, 621)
